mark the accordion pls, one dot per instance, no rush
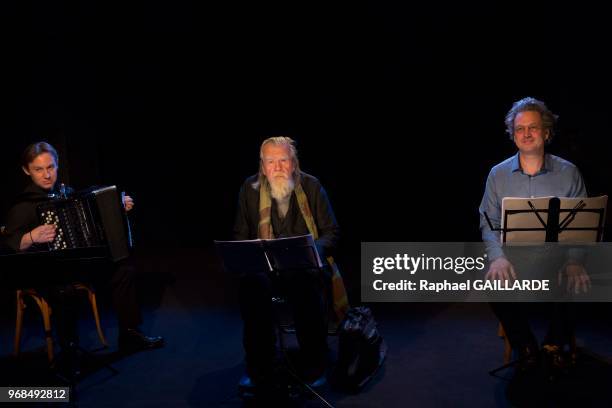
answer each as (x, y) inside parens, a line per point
(87, 219)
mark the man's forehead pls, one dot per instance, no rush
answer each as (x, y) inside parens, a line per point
(275, 151)
(43, 159)
(528, 116)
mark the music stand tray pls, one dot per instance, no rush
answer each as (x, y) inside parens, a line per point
(552, 219)
(269, 255)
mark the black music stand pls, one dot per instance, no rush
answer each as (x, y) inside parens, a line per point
(570, 220)
(274, 257)
(269, 255)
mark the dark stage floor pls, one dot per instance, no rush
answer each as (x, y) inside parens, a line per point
(439, 354)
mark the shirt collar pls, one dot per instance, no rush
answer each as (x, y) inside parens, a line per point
(546, 167)
(515, 163)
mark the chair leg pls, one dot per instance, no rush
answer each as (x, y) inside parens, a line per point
(94, 308)
(45, 310)
(507, 347)
(91, 295)
(573, 349)
(18, 322)
(48, 333)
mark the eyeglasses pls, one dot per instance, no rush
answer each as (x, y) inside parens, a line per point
(520, 130)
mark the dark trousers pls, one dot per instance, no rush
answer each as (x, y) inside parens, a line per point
(64, 304)
(122, 286)
(537, 263)
(304, 290)
(515, 319)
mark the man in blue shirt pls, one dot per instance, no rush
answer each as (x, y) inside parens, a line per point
(529, 173)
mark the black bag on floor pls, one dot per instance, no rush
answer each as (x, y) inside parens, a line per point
(361, 350)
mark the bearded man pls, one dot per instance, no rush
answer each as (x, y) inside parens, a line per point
(282, 201)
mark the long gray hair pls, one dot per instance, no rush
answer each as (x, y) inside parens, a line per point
(278, 141)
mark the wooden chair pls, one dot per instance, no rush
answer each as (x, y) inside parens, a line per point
(45, 311)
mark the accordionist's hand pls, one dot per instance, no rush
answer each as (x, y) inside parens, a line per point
(128, 203)
(43, 234)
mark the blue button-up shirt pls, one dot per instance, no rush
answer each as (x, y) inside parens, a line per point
(558, 178)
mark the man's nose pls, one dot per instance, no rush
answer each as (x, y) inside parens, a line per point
(278, 165)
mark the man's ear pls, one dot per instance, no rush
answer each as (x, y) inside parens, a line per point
(25, 170)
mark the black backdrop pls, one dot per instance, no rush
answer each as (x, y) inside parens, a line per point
(399, 111)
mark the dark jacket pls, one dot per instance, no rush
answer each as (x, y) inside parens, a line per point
(247, 217)
(23, 217)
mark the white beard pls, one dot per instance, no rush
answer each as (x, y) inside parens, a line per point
(281, 188)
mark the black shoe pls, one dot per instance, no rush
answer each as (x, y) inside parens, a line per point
(556, 361)
(134, 340)
(528, 357)
(319, 382)
(67, 364)
(316, 375)
(256, 384)
(247, 387)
